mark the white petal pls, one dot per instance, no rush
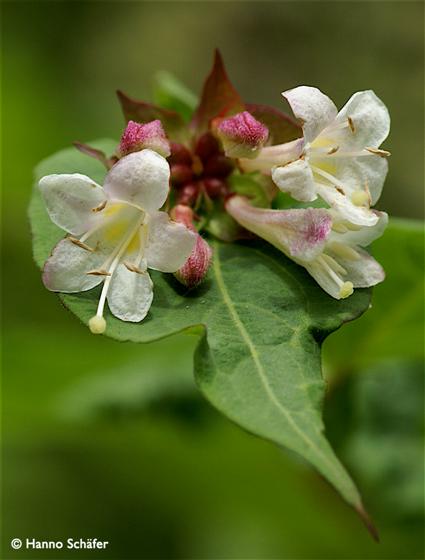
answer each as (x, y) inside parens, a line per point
(66, 268)
(296, 178)
(342, 204)
(313, 108)
(70, 200)
(169, 243)
(361, 173)
(141, 179)
(363, 236)
(364, 272)
(130, 294)
(370, 120)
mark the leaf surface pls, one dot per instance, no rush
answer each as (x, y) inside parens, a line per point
(261, 319)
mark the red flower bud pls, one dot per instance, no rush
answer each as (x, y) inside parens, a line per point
(206, 146)
(215, 187)
(180, 154)
(138, 136)
(241, 135)
(181, 174)
(196, 267)
(188, 194)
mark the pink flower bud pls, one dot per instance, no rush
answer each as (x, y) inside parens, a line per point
(242, 135)
(138, 136)
(196, 267)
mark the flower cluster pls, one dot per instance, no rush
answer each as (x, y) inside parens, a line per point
(192, 172)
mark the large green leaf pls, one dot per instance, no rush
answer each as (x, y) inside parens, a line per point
(261, 321)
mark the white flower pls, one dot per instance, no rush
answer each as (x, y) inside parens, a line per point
(116, 233)
(340, 160)
(316, 239)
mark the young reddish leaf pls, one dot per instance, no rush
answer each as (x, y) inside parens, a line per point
(142, 112)
(219, 98)
(108, 162)
(282, 128)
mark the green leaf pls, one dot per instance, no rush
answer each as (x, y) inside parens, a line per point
(249, 185)
(394, 329)
(218, 98)
(262, 320)
(170, 93)
(142, 112)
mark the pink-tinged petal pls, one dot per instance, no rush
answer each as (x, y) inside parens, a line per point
(71, 201)
(140, 179)
(313, 109)
(218, 99)
(242, 135)
(169, 244)
(130, 294)
(296, 178)
(137, 136)
(299, 233)
(196, 266)
(66, 268)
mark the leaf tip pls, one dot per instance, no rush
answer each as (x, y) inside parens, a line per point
(370, 526)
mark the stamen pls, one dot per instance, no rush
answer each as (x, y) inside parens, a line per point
(333, 150)
(346, 290)
(329, 177)
(116, 256)
(340, 228)
(344, 251)
(377, 152)
(100, 207)
(80, 243)
(100, 272)
(334, 264)
(351, 124)
(133, 268)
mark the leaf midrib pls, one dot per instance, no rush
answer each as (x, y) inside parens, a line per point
(256, 358)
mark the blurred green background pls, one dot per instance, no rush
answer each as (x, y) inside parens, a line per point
(110, 440)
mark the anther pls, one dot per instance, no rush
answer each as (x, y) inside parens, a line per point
(80, 244)
(377, 152)
(100, 207)
(346, 290)
(333, 150)
(99, 272)
(97, 324)
(351, 125)
(133, 268)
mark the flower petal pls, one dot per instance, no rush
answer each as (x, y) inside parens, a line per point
(363, 236)
(66, 268)
(169, 243)
(70, 200)
(363, 272)
(130, 294)
(296, 178)
(312, 107)
(299, 233)
(140, 178)
(358, 215)
(362, 173)
(369, 122)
